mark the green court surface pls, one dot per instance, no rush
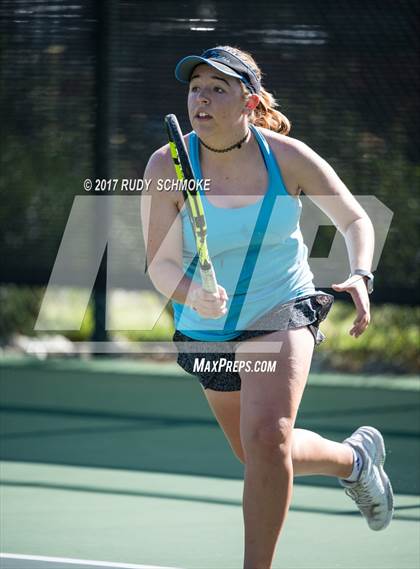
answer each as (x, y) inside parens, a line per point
(109, 463)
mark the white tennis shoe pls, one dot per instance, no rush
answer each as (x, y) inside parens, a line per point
(372, 492)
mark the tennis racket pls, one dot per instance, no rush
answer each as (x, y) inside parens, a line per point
(193, 202)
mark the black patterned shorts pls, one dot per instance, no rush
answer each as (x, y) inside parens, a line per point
(307, 311)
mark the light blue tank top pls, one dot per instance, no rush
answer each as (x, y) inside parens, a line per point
(281, 271)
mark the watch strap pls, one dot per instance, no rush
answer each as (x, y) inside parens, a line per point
(369, 276)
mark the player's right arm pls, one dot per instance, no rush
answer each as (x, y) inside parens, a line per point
(162, 233)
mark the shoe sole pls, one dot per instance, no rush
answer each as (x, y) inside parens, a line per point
(379, 462)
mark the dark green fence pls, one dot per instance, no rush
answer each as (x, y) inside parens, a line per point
(84, 86)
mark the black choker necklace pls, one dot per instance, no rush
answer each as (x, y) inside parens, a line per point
(236, 145)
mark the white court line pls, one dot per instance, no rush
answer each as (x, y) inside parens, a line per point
(81, 562)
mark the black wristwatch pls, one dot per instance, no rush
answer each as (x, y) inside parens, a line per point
(368, 278)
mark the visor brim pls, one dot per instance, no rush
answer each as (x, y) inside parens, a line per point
(185, 67)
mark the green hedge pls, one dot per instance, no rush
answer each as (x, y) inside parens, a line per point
(390, 344)
(19, 307)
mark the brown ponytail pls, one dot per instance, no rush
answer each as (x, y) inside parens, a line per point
(265, 114)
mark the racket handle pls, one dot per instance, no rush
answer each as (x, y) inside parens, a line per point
(208, 278)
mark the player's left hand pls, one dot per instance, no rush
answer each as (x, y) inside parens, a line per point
(356, 287)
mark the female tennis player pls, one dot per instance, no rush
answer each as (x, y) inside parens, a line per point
(267, 309)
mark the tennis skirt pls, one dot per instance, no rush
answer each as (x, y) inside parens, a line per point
(307, 311)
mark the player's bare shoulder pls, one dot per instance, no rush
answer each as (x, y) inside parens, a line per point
(159, 164)
(160, 167)
(288, 152)
(286, 146)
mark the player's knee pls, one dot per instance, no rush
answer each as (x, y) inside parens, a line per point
(270, 433)
(277, 432)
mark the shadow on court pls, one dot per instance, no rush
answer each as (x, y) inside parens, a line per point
(134, 416)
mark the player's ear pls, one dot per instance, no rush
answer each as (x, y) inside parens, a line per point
(252, 102)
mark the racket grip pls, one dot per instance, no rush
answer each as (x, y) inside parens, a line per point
(208, 278)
